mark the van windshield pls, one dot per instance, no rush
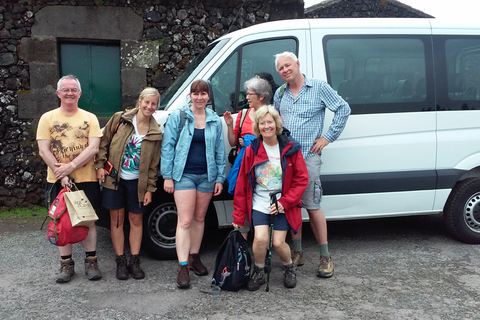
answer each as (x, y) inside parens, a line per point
(191, 72)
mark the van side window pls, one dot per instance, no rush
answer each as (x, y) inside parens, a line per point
(254, 58)
(463, 69)
(379, 74)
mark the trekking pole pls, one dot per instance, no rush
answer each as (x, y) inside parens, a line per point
(273, 200)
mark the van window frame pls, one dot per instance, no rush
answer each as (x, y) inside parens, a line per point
(239, 51)
(391, 107)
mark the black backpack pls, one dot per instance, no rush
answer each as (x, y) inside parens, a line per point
(233, 263)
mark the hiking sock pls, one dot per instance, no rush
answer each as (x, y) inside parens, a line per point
(297, 244)
(324, 250)
(287, 264)
(66, 257)
(90, 253)
(184, 263)
(260, 266)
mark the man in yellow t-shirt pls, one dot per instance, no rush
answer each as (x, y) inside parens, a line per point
(68, 139)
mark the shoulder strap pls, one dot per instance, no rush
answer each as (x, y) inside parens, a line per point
(242, 118)
(183, 119)
(282, 91)
(120, 121)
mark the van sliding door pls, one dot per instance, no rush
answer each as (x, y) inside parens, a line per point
(384, 161)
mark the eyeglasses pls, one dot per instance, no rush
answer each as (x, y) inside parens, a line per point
(251, 94)
(74, 90)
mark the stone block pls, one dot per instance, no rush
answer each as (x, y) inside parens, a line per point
(33, 104)
(39, 49)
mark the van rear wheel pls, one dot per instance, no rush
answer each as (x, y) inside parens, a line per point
(462, 211)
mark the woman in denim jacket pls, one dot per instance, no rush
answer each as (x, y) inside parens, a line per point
(193, 169)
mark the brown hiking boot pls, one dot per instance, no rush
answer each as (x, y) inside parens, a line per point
(196, 265)
(134, 267)
(122, 272)
(297, 258)
(91, 268)
(183, 277)
(325, 268)
(67, 270)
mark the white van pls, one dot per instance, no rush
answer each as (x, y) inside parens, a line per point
(412, 143)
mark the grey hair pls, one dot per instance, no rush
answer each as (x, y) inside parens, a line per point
(69, 76)
(261, 87)
(285, 54)
(262, 112)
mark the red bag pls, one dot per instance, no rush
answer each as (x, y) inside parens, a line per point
(60, 231)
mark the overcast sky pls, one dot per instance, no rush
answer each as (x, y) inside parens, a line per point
(461, 9)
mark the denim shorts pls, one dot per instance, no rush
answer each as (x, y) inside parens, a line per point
(191, 181)
(262, 219)
(313, 194)
(126, 196)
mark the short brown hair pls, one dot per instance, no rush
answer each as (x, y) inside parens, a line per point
(199, 86)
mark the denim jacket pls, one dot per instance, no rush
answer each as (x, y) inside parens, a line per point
(174, 153)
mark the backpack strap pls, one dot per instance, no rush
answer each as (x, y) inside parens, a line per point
(242, 119)
(282, 91)
(183, 119)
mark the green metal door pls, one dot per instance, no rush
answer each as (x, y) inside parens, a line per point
(97, 66)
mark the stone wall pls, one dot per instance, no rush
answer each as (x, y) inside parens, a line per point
(363, 9)
(29, 67)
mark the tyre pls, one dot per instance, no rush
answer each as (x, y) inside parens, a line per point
(462, 211)
(159, 232)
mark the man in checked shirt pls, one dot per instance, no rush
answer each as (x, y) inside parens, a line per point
(302, 102)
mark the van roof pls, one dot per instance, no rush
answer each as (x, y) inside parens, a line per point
(385, 25)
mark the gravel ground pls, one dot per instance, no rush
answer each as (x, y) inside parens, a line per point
(401, 268)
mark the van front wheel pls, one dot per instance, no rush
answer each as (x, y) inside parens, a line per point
(462, 211)
(159, 232)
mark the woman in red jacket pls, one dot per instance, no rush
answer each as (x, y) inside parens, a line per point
(272, 162)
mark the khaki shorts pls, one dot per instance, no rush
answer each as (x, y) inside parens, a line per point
(313, 194)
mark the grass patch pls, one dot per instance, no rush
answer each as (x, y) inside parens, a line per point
(22, 212)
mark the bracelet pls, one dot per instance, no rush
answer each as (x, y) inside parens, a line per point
(73, 165)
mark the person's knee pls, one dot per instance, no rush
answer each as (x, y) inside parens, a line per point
(136, 220)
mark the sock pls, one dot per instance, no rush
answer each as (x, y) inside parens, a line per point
(297, 244)
(324, 250)
(66, 257)
(184, 263)
(90, 254)
(288, 263)
(260, 266)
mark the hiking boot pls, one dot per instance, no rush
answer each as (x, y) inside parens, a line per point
(91, 268)
(67, 270)
(290, 280)
(325, 268)
(297, 258)
(196, 265)
(183, 277)
(122, 272)
(134, 267)
(257, 279)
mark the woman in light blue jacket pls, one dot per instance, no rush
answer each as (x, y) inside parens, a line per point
(193, 169)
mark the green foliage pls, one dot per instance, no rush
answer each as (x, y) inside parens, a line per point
(22, 212)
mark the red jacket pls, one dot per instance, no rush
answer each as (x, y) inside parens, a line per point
(294, 180)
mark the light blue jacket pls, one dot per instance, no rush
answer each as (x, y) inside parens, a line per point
(174, 154)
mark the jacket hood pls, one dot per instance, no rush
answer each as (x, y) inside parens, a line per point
(288, 145)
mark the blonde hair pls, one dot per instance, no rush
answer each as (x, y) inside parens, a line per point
(148, 91)
(262, 112)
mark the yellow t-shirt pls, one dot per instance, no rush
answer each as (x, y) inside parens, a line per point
(68, 135)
